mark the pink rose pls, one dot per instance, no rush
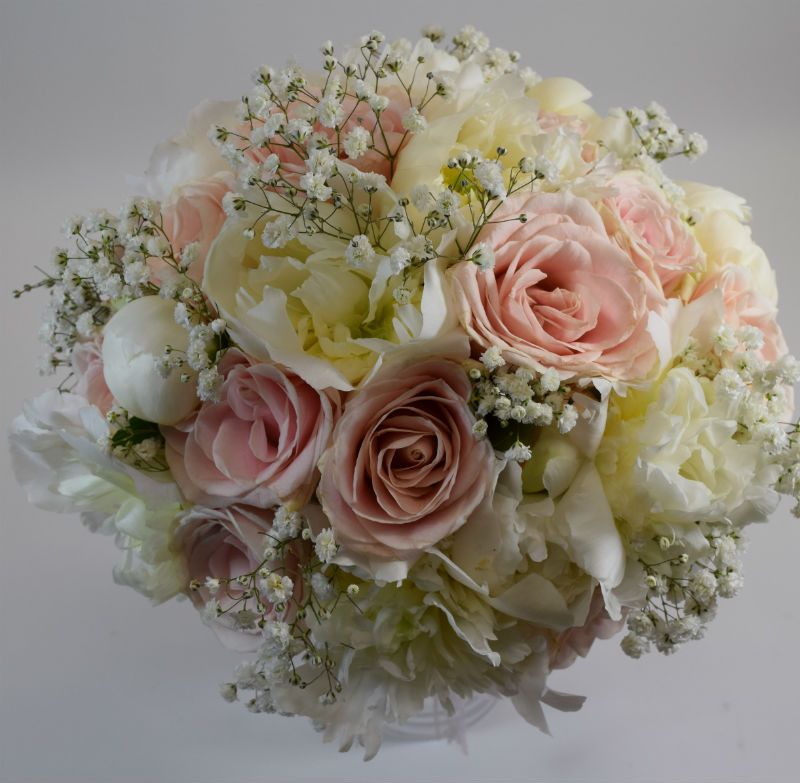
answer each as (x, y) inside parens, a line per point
(561, 293)
(259, 444)
(194, 213)
(647, 227)
(568, 645)
(405, 469)
(389, 138)
(225, 544)
(745, 306)
(87, 364)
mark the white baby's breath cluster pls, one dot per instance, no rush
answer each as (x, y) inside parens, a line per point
(112, 262)
(683, 589)
(284, 599)
(510, 402)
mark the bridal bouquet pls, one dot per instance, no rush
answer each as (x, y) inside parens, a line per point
(417, 375)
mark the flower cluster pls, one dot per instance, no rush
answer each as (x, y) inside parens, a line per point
(418, 376)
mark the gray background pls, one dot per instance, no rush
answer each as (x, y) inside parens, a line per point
(95, 685)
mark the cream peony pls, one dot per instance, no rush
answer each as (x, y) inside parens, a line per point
(308, 309)
(132, 341)
(669, 458)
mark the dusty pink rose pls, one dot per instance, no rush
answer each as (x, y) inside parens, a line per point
(561, 293)
(405, 469)
(259, 444)
(567, 646)
(87, 364)
(194, 213)
(647, 227)
(224, 544)
(745, 306)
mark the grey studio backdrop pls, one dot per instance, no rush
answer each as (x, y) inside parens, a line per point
(95, 685)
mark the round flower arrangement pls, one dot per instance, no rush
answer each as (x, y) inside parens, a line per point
(417, 376)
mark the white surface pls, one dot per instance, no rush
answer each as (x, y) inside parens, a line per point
(95, 685)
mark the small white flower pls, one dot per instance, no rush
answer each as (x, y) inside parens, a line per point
(378, 103)
(357, 142)
(329, 111)
(729, 584)
(228, 691)
(286, 524)
(491, 358)
(480, 428)
(413, 121)
(546, 169)
(634, 645)
(519, 452)
(399, 259)
(315, 186)
(482, 256)
(703, 586)
(490, 176)
(85, 325)
(277, 636)
(550, 380)
(359, 251)
(277, 588)
(321, 586)
(568, 419)
(402, 295)
(325, 546)
(279, 231)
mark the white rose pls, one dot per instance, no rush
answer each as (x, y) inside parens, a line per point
(189, 155)
(132, 342)
(707, 198)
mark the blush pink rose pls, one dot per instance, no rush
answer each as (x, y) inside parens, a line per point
(259, 444)
(567, 646)
(87, 364)
(388, 139)
(745, 306)
(224, 544)
(405, 469)
(647, 227)
(561, 293)
(194, 213)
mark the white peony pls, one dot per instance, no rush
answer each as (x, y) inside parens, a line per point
(57, 460)
(132, 342)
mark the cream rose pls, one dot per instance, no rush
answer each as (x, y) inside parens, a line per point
(726, 241)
